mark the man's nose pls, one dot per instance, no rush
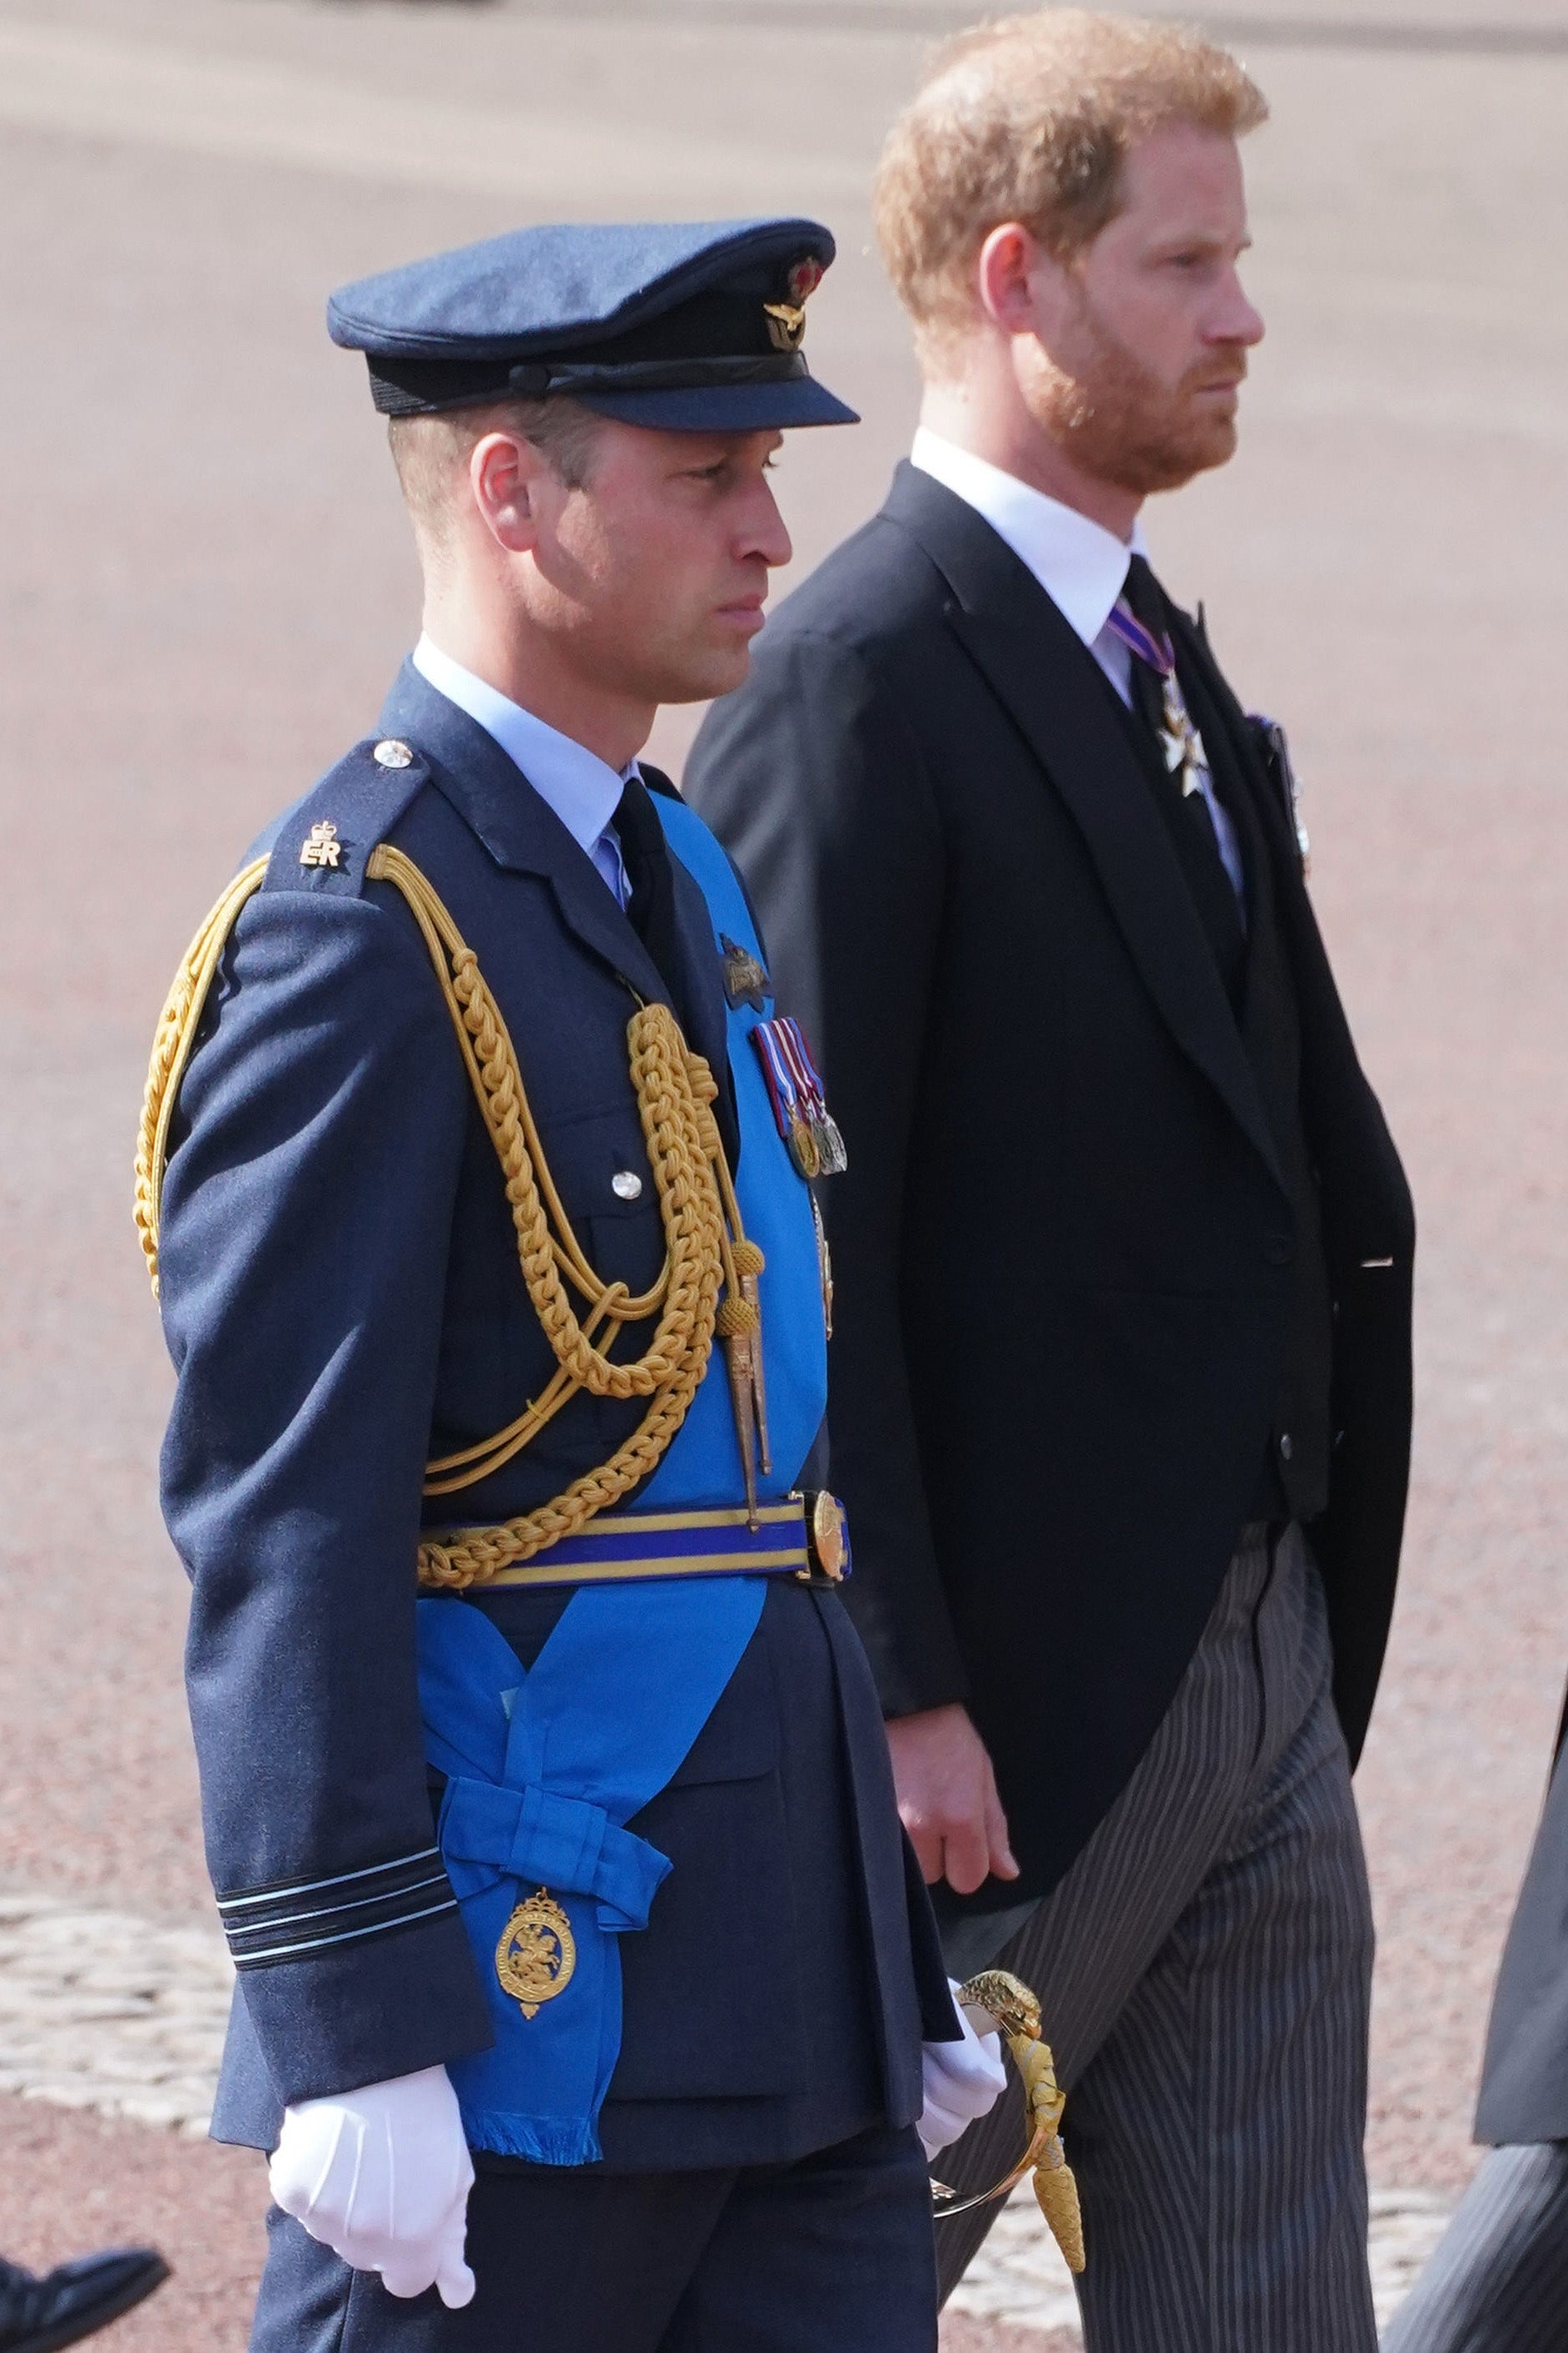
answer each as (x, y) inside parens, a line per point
(765, 535)
(1236, 320)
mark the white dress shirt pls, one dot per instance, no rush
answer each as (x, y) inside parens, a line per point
(1082, 567)
(584, 791)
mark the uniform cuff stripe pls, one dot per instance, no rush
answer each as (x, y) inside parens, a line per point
(287, 1890)
(251, 1960)
(236, 1930)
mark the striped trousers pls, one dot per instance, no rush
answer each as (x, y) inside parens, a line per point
(1205, 1973)
(1499, 2280)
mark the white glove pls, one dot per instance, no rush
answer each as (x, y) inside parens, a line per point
(382, 2176)
(962, 2081)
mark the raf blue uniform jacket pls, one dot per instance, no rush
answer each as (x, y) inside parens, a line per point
(342, 1300)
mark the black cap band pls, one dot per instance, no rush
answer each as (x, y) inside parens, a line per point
(538, 379)
(421, 387)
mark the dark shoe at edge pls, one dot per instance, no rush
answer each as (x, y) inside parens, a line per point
(39, 2313)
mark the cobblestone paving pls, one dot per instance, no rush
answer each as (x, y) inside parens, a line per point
(1020, 2280)
(124, 2016)
(100, 2009)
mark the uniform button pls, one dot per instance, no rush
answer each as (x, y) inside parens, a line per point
(626, 1185)
(390, 753)
(1286, 1448)
(1279, 1249)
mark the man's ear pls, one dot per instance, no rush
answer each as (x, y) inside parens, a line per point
(1023, 289)
(1005, 276)
(506, 475)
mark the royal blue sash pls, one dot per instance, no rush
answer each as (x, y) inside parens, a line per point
(703, 1466)
(544, 1769)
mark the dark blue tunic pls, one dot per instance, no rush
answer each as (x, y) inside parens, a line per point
(343, 1300)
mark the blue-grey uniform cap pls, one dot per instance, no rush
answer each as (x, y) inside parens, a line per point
(693, 326)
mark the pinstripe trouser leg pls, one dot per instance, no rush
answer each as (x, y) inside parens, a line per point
(1204, 1971)
(1499, 2280)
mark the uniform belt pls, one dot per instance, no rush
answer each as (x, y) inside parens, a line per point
(803, 1536)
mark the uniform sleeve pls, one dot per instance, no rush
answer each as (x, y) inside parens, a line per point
(811, 780)
(306, 1214)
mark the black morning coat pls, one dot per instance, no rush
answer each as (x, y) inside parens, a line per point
(1524, 2079)
(1063, 1243)
(341, 1299)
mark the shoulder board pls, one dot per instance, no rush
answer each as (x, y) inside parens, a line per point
(657, 782)
(324, 843)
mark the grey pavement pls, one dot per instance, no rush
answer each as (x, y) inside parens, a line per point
(204, 583)
(111, 2012)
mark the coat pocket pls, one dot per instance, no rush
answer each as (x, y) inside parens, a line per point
(710, 1986)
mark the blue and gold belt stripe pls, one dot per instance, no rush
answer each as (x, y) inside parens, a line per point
(799, 1536)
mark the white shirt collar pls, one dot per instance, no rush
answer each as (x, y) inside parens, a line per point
(1082, 567)
(583, 790)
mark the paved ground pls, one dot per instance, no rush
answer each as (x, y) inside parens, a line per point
(204, 585)
(120, 2017)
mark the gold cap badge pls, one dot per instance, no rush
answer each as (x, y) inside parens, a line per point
(787, 320)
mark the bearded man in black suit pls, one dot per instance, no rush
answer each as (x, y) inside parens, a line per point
(1121, 1386)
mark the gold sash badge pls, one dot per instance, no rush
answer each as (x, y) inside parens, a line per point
(537, 1953)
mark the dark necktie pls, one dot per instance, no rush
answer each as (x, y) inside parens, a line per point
(1174, 753)
(646, 856)
(1141, 621)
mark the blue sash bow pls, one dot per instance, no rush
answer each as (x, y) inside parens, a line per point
(544, 1769)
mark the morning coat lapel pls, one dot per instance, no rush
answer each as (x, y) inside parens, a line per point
(1042, 673)
(517, 825)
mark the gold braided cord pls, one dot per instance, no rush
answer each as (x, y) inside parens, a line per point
(171, 1043)
(675, 1092)
(664, 1076)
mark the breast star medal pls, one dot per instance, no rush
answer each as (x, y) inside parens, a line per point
(745, 981)
(537, 1953)
(1182, 743)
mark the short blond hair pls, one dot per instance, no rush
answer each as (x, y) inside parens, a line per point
(1030, 118)
(431, 452)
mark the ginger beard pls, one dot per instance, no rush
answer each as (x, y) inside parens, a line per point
(1116, 419)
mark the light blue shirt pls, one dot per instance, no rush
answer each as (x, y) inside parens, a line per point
(1082, 567)
(584, 791)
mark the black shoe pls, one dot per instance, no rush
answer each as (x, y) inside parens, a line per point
(36, 2315)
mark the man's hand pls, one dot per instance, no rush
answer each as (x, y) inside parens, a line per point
(947, 1799)
(382, 2176)
(962, 2082)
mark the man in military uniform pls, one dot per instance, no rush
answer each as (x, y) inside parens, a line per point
(1499, 2280)
(483, 1251)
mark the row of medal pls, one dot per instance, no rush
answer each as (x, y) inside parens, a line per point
(794, 1090)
